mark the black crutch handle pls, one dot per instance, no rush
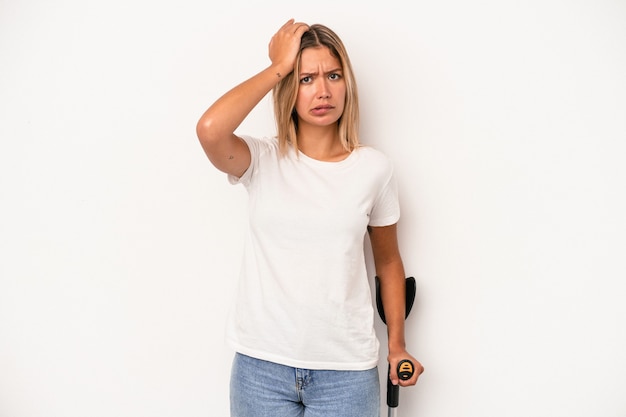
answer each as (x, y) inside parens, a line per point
(405, 372)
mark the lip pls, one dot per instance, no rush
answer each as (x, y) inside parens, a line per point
(323, 109)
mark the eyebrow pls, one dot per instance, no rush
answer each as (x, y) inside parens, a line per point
(304, 74)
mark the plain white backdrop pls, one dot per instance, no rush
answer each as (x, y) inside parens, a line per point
(120, 243)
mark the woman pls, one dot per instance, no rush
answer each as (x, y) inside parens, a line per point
(303, 326)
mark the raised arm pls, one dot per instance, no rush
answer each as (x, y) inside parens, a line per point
(390, 270)
(215, 129)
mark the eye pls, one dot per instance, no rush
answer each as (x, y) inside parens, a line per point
(305, 80)
(334, 76)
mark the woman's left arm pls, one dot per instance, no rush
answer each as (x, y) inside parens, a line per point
(390, 270)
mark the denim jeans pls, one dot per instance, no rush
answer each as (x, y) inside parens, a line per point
(264, 389)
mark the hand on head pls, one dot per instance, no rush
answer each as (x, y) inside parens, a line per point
(285, 44)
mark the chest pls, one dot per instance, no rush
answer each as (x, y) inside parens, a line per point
(303, 201)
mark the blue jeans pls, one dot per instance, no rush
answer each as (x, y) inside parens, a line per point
(264, 389)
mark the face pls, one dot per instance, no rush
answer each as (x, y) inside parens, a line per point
(322, 88)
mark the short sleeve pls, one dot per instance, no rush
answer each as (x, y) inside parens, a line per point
(255, 146)
(386, 208)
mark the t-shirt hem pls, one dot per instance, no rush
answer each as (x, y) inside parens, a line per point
(385, 221)
(295, 363)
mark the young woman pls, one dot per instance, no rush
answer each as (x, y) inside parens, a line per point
(303, 326)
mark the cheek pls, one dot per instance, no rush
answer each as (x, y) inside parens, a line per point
(342, 94)
(302, 100)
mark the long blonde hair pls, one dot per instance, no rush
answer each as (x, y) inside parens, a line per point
(286, 91)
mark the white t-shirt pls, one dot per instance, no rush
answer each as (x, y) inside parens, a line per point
(304, 298)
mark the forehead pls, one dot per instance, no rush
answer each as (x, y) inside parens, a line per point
(315, 58)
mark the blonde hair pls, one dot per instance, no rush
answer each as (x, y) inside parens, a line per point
(286, 91)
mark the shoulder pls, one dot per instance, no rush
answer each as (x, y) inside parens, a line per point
(260, 141)
(263, 150)
(373, 153)
(374, 158)
(261, 145)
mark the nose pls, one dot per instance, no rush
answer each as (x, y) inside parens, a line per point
(323, 90)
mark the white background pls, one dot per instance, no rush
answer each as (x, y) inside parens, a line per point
(120, 243)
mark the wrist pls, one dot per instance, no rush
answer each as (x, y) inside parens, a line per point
(396, 346)
(280, 71)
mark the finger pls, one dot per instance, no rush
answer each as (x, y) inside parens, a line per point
(419, 369)
(393, 374)
(300, 27)
(288, 23)
(291, 26)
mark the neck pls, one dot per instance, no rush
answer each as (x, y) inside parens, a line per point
(321, 144)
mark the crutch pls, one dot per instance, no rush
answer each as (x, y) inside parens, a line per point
(405, 367)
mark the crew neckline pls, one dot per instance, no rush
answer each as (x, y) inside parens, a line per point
(330, 164)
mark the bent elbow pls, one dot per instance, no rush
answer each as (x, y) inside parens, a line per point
(205, 130)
